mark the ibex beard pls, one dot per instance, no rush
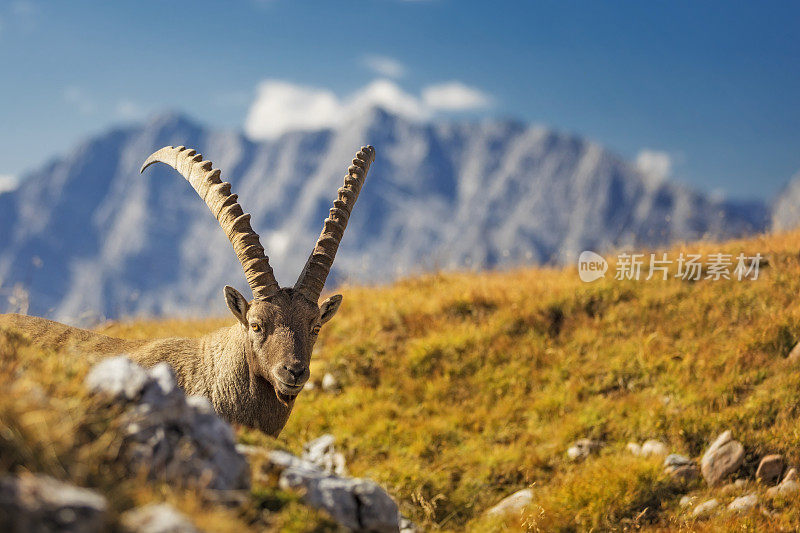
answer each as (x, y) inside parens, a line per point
(252, 371)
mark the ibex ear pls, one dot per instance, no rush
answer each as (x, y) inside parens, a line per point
(237, 304)
(329, 307)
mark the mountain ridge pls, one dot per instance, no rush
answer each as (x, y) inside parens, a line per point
(89, 238)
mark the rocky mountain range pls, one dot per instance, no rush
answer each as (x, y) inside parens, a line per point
(86, 237)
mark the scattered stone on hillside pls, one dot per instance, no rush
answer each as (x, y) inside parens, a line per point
(770, 468)
(789, 485)
(730, 489)
(685, 473)
(322, 453)
(744, 503)
(41, 503)
(330, 383)
(676, 460)
(310, 385)
(634, 448)
(407, 526)
(512, 504)
(251, 451)
(156, 518)
(172, 437)
(705, 508)
(358, 504)
(654, 447)
(583, 448)
(723, 458)
(784, 489)
(118, 377)
(769, 513)
(687, 501)
(680, 468)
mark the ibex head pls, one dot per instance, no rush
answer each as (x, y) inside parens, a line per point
(280, 324)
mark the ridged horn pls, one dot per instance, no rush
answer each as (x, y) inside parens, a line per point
(223, 205)
(312, 278)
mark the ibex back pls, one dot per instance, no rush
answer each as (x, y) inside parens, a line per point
(251, 371)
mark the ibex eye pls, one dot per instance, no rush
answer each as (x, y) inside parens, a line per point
(315, 330)
(256, 328)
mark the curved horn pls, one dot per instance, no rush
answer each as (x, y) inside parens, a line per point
(234, 222)
(312, 278)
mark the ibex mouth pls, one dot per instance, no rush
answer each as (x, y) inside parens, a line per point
(284, 398)
(286, 392)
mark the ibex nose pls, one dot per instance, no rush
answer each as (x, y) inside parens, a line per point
(297, 371)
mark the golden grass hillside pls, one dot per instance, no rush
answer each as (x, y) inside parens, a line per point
(459, 389)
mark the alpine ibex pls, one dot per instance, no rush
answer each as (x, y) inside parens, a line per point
(252, 371)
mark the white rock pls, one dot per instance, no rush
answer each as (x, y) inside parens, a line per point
(329, 382)
(583, 448)
(171, 437)
(281, 461)
(321, 452)
(788, 487)
(358, 504)
(705, 508)
(654, 447)
(42, 503)
(512, 504)
(118, 378)
(674, 460)
(687, 501)
(784, 489)
(200, 404)
(407, 526)
(309, 385)
(744, 503)
(634, 448)
(723, 458)
(156, 518)
(163, 375)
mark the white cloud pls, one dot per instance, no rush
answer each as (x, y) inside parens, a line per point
(280, 106)
(129, 110)
(384, 66)
(654, 163)
(455, 96)
(80, 100)
(8, 182)
(388, 95)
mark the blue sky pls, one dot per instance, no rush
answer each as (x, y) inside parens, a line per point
(709, 92)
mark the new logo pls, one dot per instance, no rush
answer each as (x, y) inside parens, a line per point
(591, 266)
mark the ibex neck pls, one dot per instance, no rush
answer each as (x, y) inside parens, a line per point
(238, 393)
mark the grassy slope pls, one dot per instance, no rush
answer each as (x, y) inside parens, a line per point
(459, 389)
